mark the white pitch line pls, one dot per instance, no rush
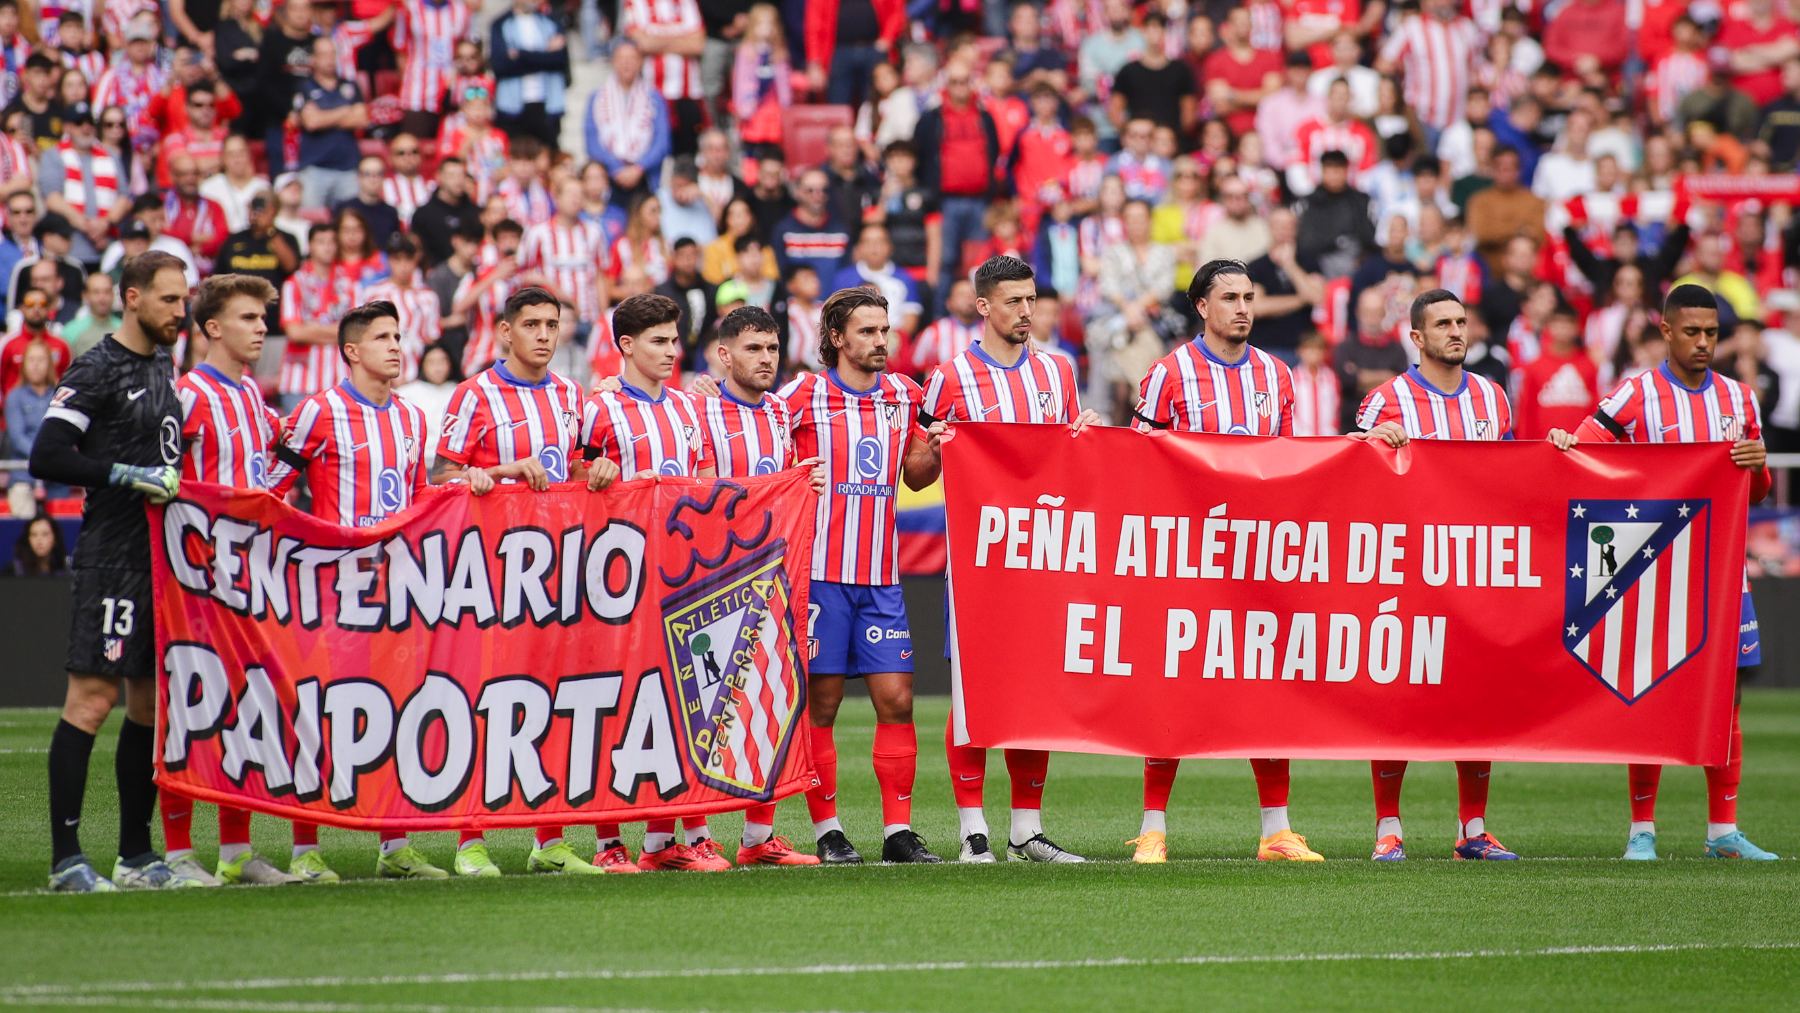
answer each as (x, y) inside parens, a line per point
(24, 752)
(21, 993)
(89, 1001)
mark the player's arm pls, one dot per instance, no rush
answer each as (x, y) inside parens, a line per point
(1612, 422)
(1155, 407)
(465, 425)
(307, 435)
(596, 429)
(924, 454)
(57, 456)
(1379, 419)
(1750, 453)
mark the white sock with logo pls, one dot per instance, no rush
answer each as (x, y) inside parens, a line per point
(1154, 820)
(1474, 828)
(823, 827)
(1274, 820)
(757, 833)
(393, 844)
(1714, 831)
(607, 844)
(1642, 827)
(890, 829)
(174, 855)
(657, 842)
(696, 834)
(229, 852)
(1026, 824)
(1388, 826)
(972, 820)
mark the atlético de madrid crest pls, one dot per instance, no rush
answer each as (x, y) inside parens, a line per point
(1635, 580)
(738, 670)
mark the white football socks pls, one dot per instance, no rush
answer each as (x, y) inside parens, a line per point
(972, 820)
(1714, 831)
(174, 855)
(826, 826)
(301, 849)
(1154, 820)
(1388, 826)
(890, 829)
(229, 852)
(1274, 820)
(1642, 827)
(393, 844)
(757, 833)
(696, 833)
(657, 842)
(1026, 824)
(1474, 828)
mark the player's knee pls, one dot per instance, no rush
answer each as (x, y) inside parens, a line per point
(894, 705)
(140, 701)
(822, 713)
(89, 700)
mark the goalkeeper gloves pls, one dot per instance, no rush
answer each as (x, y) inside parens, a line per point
(159, 485)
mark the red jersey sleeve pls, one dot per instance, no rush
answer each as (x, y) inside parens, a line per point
(466, 425)
(1381, 405)
(307, 433)
(1156, 400)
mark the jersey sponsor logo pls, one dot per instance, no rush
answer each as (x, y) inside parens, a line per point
(169, 440)
(733, 650)
(1635, 596)
(670, 468)
(871, 458)
(258, 466)
(875, 634)
(555, 462)
(390, 491)
(764, 466)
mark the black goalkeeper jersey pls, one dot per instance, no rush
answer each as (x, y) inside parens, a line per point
(126, 408)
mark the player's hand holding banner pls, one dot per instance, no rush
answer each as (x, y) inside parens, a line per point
(507, 660)
(1188, 595)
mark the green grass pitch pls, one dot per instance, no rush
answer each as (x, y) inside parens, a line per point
(1571, 926)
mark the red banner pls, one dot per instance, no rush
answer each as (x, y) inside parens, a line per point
(515, 660)
(1185, 595)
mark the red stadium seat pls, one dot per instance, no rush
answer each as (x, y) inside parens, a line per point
(259, 156)
(369, 146)
(803, 131)
(387, 82)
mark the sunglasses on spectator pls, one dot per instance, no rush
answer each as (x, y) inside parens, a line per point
(403, 152)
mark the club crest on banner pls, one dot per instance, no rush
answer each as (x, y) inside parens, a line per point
(1636, 594)
(737, 667)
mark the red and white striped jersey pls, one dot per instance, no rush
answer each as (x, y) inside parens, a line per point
(1266, 31)
(484, 318)
(116, 14)
(571, 258)
(748, 439)
(349, 37)
(1436, 59)
(941, 341)
(1192, 390)
(604, 358)
(1655, 407)
(485, 156)
(862, 436)
(363, 462)
(641, 433)
(972, 387)
(1317, 398)
(312, 295)
(131, 88)
(427, 33)
(526, 203)
(674, 75)
(421, 319)
(1476, 410)
(406, 194)
(1672, 79)
(803, 334)
(495, 418)
(227, 429)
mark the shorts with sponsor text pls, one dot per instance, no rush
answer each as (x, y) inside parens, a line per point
(112, 629)
(1749, 636)
(859, 629)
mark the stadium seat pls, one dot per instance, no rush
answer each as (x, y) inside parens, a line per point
(803, 131)
(386, 82)
(369, 146)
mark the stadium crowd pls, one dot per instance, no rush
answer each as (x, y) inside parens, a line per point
(1529, 157)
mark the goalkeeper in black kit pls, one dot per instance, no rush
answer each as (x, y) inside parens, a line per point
(114, 426)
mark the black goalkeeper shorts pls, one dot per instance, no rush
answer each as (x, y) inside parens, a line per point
(112, 632)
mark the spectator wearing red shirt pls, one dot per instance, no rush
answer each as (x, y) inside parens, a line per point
(1311, 25)
(1044, 155)
(201, 137)
(1237, 76)
(193, 219)
(1756, 43)
(169, 110)
(959, 146)
(1589, 30)
(1559, 387)
(1656, 28)
(34, 319)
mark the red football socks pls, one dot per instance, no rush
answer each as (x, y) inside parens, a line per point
(1027, 769)
(896, 763)
(1722, 782)
(177, 821)
(306, 835)
(1271, 782)
(821, 800)
(1159, 781)
(1472, 789)
(234, 825)
(547, 834)
(1643, 778)
(968, 770)
(763, 814)
(466, 836)
(1386, 777)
